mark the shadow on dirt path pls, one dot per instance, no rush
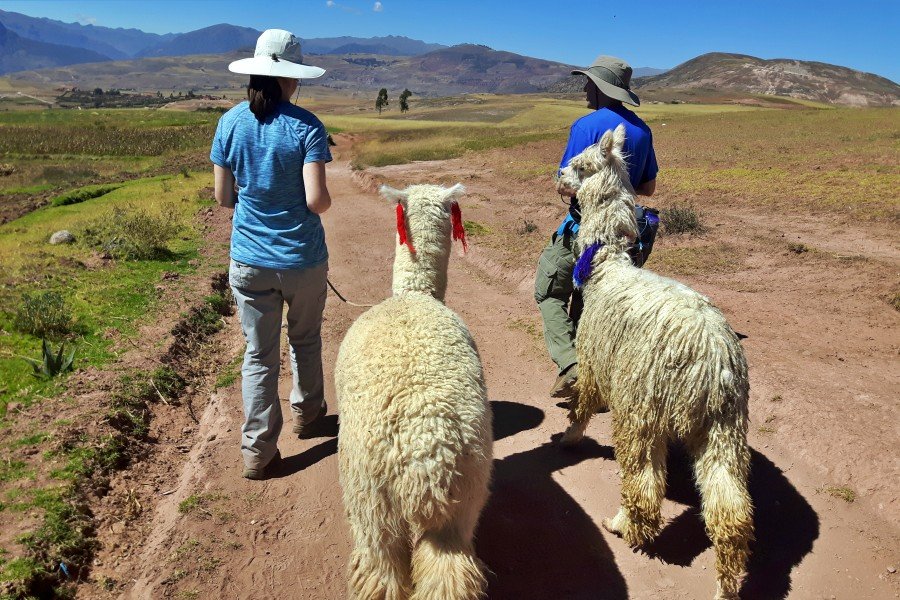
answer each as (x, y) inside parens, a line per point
(785, 525)
(535, 538)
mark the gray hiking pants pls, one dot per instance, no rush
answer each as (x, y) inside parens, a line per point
(560, 304)
(260, 295)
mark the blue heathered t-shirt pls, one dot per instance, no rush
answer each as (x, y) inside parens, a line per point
(272, 226)
(638, 148)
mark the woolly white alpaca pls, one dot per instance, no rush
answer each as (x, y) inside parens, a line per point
(663, 359)
(415, 437)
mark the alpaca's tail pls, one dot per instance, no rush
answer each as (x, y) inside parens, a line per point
(722, 468)
(444, 567)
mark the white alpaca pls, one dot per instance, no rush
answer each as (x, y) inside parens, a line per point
(415, 436)
(663, 359)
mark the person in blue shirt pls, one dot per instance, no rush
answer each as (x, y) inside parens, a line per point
(269, 165)
(607, 87)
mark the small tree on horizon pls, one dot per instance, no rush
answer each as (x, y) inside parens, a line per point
(382, 100)
(404, 100)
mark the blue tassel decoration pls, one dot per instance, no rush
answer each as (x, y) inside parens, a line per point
(585, 264)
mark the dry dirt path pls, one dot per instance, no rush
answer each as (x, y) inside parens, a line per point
(287, 537)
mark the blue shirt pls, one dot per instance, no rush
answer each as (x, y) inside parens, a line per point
(272, 226)
(638, 148)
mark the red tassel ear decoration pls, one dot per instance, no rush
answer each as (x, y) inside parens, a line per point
(401, 229)
(459, 232)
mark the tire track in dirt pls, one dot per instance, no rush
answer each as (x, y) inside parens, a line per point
(286, 537)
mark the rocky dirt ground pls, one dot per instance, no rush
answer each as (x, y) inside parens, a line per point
(822, 348)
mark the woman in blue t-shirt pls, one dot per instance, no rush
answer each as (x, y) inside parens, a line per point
(269, 164)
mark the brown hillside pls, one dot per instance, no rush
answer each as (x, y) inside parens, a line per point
(722, 77)
(460, 69)
(806, 80)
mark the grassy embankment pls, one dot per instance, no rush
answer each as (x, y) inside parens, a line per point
(106, 281)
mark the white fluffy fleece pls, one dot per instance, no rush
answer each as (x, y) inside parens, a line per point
(415, 436)
(666, 363)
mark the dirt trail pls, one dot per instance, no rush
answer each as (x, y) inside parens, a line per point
(287, 537)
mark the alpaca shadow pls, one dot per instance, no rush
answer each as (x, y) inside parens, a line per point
(785, 525)
(298, 462)
(535, 539)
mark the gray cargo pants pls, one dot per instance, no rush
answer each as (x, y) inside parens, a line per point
(260, 295)
(560, 304)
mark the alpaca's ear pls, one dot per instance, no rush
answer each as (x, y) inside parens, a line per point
(606, 142)
(391, 194)
(453, 193)
(619, 137)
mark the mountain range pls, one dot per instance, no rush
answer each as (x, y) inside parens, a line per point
(65, 42)
(51, 52)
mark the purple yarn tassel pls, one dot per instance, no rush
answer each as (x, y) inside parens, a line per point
(585, 266)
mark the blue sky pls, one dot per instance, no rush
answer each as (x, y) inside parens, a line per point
(860, 34)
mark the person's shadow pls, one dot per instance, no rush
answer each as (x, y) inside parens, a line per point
(533, 536)
(785, 525)
(328, 427)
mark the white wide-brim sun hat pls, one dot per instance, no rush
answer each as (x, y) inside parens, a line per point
(275, 51)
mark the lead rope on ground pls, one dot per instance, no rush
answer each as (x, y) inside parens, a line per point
(339, 295)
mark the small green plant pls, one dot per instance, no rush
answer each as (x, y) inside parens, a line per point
(52, 364)
(895, 301)
(475, 228)
(681, 219)
(185, 172)
(44, 315)
(526, 227)
(132, 233)
(843, 492)
(797, 247)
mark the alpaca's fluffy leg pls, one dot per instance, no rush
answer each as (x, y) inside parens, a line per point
(379, 564)
(722, 465)
(643, 464)
(578, 419)
(376, 573)
(444, 566)
(586, 402)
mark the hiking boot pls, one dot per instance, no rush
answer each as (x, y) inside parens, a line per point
(565, 383)
(259, 473)
(303, 424)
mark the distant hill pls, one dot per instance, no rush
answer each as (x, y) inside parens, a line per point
(112, 43)
(806, 80)
(456, 70)
(573, 84)
(646, 71)
(209, 40)
(17, 53)
(390, 45)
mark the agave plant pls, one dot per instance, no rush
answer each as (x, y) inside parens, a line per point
(52, 364)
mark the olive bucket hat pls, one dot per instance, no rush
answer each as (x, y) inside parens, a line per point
(275, 51)
(613, 76)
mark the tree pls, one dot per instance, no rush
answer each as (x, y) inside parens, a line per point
(404, 100)
(382, 100)
(98, 91)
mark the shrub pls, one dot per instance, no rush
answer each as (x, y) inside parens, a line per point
(681, 219)
(44, 315)
(132, 233)
(526, 227)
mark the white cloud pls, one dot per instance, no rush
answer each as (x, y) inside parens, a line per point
(378, 7)
(86, 20)
(330, 3)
